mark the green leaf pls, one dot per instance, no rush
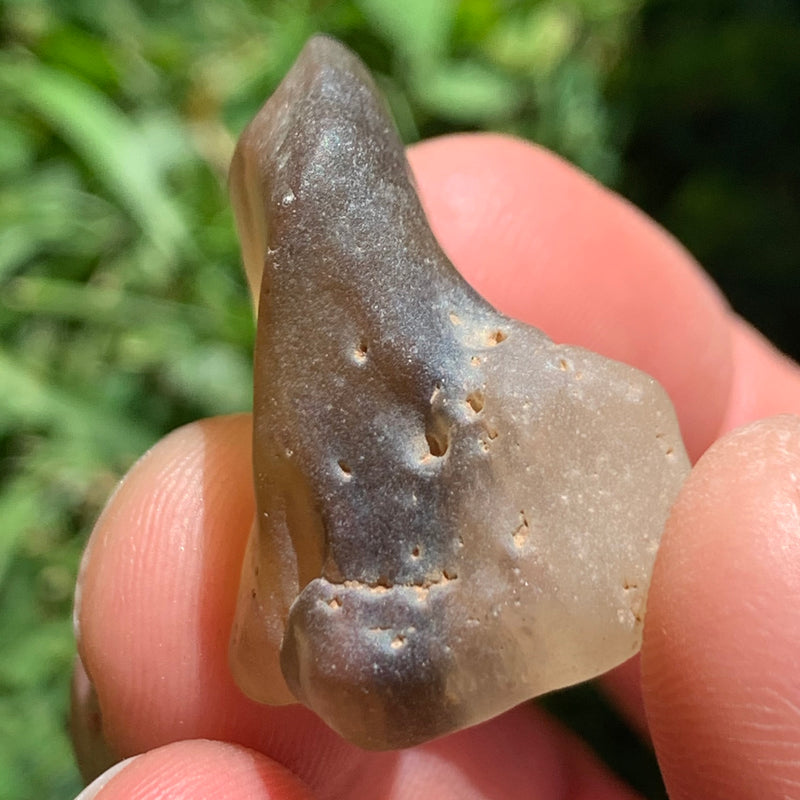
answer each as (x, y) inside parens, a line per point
(20, 507)
(34, 223)
(468, 92)
(27, 400)
(16, 148)
(105, 139)
(111, 307)
(536, 43)
(41, 654)
(419, 29)
(36, 760)
(221, 375)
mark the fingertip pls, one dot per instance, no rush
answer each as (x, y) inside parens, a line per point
(720, 647)
(158, 581)
(521, 754)
(200, 768)
(765, 381)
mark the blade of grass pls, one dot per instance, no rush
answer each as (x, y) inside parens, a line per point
(104, 305)
(105, 139)
(35, 403)
(19, 510)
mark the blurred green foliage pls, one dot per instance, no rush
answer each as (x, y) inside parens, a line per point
(708, 92)
(123, 313)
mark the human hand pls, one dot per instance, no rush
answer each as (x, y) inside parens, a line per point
(719, 678)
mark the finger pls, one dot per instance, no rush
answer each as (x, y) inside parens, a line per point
(92, 751)
(720, 649)
(547, 244)
(765, 382)
(522, 754)
(199, 769)
(156, 595)
(154, 614)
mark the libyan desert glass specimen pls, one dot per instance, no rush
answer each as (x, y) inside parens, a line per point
(454, 514)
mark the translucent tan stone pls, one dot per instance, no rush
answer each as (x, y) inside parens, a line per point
(454, 513)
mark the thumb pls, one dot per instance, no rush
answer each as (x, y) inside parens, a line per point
(722, 639)
(198, 768)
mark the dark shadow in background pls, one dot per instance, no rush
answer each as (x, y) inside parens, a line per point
(710, 95)
(585, 710)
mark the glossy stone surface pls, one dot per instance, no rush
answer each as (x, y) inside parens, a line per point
(454, 513)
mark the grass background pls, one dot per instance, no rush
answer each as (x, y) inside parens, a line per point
(123, 312)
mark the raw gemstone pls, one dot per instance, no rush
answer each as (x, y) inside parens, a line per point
(454, 513)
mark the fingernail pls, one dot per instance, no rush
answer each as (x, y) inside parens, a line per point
(92, 752)
(99, 783)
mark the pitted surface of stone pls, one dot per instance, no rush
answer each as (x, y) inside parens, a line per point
(454, 513)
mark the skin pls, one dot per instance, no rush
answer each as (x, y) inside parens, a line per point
(716, 689)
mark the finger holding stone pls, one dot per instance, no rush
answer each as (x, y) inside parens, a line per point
(720, 652)
(231, 555)
(157, 590)
(555, 232)
(155, 604)
(765, 382)
(198, 768)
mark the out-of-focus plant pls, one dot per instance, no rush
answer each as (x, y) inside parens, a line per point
(709, 94)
